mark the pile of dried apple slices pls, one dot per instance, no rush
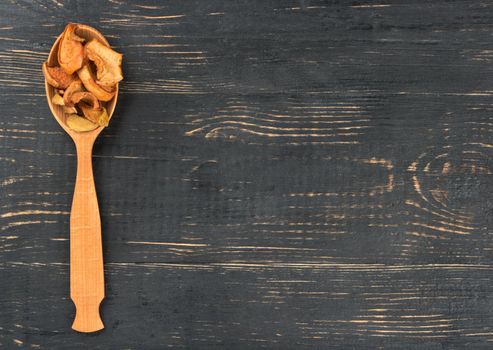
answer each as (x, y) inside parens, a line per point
(85, 79)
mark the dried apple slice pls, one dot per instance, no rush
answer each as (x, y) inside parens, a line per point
(74, 87)
(90, 84)
(87, 98)
(70, 51)
(91, 107)
(99, 117)
(79, 124)
(90, 113)
(69, 110)
(57, 100)
(104, 118)
(108, 63)
(56, 77)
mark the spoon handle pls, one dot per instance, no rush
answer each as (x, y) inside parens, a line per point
(86, 252)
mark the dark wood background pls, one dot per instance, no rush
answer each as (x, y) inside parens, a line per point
(278, 174)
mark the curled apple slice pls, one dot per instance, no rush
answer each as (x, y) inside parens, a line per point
(91, 107)
(74, 87)
(98, 116)
(108, 63)
(70, 51)
(90, 84)
(86, 98)
(56, 77)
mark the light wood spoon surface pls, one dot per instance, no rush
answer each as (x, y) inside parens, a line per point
(86, 252)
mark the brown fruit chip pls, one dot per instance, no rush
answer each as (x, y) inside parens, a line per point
(56, 77)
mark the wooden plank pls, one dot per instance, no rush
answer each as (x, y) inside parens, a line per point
(277, 174)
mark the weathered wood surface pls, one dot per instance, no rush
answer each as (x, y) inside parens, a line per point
(277, 174)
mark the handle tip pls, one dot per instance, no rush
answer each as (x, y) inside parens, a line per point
(87, 328)
(93, 325)
(87, 319)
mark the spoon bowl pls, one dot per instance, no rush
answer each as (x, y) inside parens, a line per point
(86, 252)
(87, 33)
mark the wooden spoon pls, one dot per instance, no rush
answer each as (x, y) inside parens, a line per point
(86, 252)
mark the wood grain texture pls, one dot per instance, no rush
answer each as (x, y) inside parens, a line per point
(86, 249)
(277, 174)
